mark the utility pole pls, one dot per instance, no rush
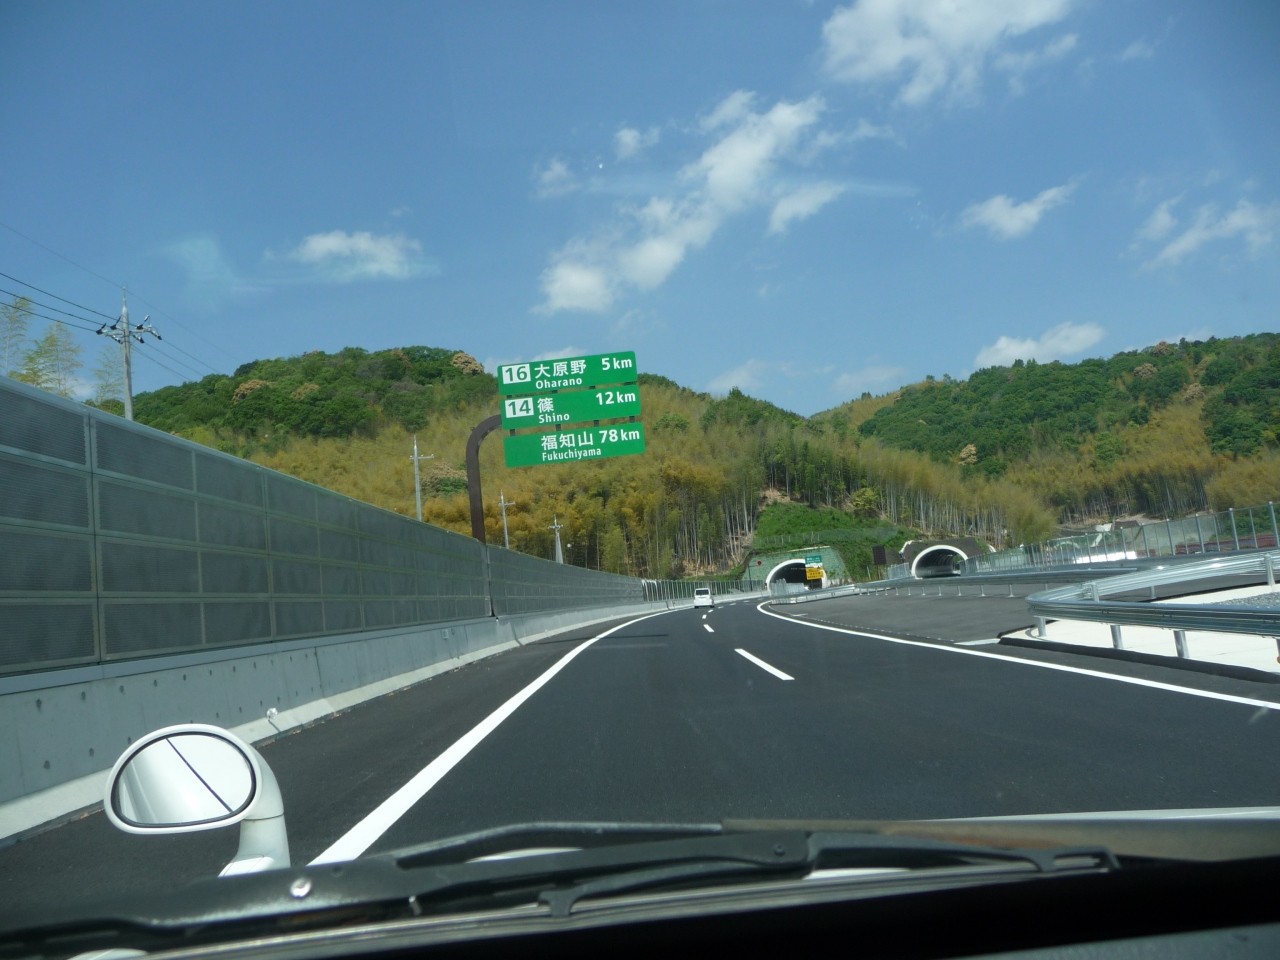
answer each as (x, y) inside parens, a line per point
(123, 334)
(557, 526)
(503, 502)
(417, 478)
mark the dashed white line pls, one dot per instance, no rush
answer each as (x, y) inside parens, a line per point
(707, 627)
(360, 837)
(765, 666)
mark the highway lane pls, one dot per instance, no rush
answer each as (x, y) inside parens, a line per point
(666, 720)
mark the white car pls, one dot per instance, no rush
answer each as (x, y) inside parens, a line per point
(702, 597)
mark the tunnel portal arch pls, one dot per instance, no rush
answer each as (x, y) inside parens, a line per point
(791, 571)
(936, 560)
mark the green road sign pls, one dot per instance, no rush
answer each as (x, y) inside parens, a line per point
(813, 559)
(567, 446)
(572, 407)
(567, 373)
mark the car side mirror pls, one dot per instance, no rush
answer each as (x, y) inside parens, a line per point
(194, 777)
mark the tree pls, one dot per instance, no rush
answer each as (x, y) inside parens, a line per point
(108, 379)
(53, 362)
(14, 319)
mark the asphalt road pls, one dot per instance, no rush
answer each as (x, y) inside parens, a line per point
(664, 720)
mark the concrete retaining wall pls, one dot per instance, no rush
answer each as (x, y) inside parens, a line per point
(61, 731)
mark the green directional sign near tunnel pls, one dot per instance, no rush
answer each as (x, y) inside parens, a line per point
(567, 373)
(575, 407)
(568, 446)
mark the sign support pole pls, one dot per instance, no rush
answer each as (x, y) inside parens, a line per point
(482, 430)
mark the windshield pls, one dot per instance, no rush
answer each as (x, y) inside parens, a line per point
(351, 412)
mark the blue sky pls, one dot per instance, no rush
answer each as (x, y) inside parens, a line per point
(805, 200)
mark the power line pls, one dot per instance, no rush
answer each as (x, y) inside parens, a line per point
(172, 359)
(55, 296)
(87, 320)
(81, 266)
(159, 364)
(49, 306)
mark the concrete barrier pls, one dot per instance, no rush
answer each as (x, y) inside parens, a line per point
(61, 730)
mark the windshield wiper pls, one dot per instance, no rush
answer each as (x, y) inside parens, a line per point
(553, 864)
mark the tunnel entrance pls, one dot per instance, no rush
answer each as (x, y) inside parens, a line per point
(936, 561)
(792, 571)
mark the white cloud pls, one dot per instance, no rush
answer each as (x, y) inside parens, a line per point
(1256, 224)
(556, 179)
(628, 141)
(1006, 218)
(209, 272)
(646, 243)
(931, 47)
(342, 256)
(866, 130)
(1161, 221)
(748, 377)
(802, 204)
(1064, 340)
(1138, 50)
(1018, 65)
(576, 286)
(870, 378)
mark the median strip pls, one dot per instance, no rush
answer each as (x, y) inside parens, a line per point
(765, 666)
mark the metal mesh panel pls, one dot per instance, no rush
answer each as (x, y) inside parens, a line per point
(336, 512)
(41, 428)
(341, 581)
(339, 546)
(233, 573)
(228, 480)
(136, 454)
(127, 509)
(33, 634)
(289, 536)
(30, 563)
(377, 583)
(376, 523)
(402, 585)
(138, 627)
(406, 611)
(231, 527)
(291, 496)
(342, 615)
(379, 613)
(374, 552)
(402, 557)
(236, 622)
(292, 576)
(299, 618)
(142, 568)
(29, 491)
(524, 584)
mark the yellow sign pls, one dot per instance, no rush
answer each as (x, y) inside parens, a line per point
(813, 573)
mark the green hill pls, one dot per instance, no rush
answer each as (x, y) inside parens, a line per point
(1005, 455)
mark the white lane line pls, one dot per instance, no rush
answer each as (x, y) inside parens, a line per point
(764, 666)
(707, 627)
(360, 837)
(1063, 668)
(975, 643)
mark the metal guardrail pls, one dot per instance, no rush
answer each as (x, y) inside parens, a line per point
(1088, 601)
(1233, 530)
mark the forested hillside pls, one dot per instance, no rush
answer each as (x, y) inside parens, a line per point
(1006, 455)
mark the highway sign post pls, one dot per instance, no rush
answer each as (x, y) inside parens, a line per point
(575, 407)
(562, 393)
(813, 569)
(567, 373)
(567, 446)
